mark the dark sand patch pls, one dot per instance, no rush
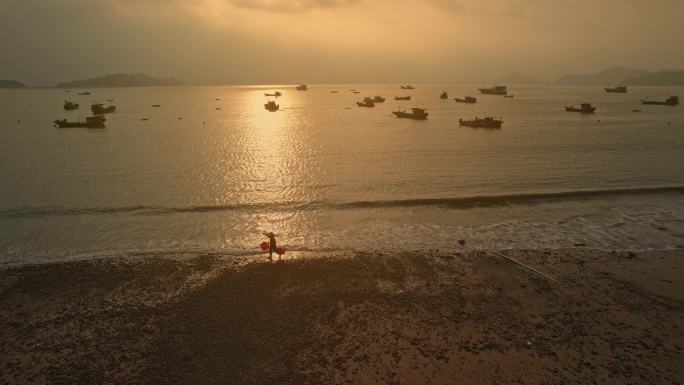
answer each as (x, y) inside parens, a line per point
(416, 318)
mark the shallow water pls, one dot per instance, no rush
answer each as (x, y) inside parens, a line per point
(326, 175)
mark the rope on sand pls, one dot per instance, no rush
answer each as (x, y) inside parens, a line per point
(524, 265)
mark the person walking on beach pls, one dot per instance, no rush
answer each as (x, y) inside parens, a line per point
(271, 245)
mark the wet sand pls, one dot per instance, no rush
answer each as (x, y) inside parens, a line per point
(429, 317)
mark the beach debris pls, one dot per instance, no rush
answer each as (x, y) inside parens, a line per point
(524, 265)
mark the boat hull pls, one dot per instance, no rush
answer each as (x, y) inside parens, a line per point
(470, 101)
(409, 115)
(102, 110)
(581, 110)
(89, 123)
(657, 103)
(481, 123)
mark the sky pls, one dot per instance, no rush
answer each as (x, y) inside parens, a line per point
(43, 42)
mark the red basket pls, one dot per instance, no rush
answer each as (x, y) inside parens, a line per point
(264, 245)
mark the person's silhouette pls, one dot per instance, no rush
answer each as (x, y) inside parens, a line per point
(271, 245)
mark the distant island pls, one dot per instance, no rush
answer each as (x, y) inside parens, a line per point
(613, 75)
(122, 80)
(11, 84)
(517, 78)
(662, 78)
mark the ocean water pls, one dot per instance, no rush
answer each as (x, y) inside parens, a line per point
(211, 169)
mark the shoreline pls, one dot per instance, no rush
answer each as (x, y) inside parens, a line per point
(418, 317)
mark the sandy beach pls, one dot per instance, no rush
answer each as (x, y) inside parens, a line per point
(430, 317)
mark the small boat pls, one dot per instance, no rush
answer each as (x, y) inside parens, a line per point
(333, 92)
(415, 114)
(110, 100)
(671, 101)
(90, 122)
(487, 122)
(367, 102)
(496, 90)
(402, 98)
(379, 99)
(302, 87)
(508, 96)
(617, 89)
(467, 99)
(84, 93)
(156, 105)
(407, 87)
(276, 94)
(99, 109)
(272, 106)
(584, 108)
(444, 95)
(68, 106)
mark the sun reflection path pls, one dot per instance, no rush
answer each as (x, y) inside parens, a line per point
(282, 163)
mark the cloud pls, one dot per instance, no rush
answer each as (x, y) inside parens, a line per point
(289, 5)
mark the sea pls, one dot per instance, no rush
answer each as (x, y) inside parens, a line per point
(210, 170)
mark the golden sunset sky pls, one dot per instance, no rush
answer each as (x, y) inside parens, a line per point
(271, 41)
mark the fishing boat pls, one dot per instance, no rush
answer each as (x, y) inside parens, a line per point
(90, 122)
(302, 87)
(487, 122)
(84, 93)
(467, 99)
(407, 87)
(402, 98)
(508, 96)
(68, 106)
(367, 102)
(333, 92)
(379, 99)
(271, 106)
(415, 114)
(496, 90)
(99, 109)
(617, 89)
(585, 108)
(356, 92)
(444, 95)
(671, 101)
(275, 94)
(156, 105)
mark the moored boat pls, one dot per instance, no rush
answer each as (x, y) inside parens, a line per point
(487, 122)
(496, 90)
(617, 89)
(585, 108)
(276, 94)
(68, 106)
(444, 95)
(302, 87)
(272, 106)
(407, 87)
(415, 114)
(379, 99)
(367, 102)
(98, 108)
(467, 99)
(90, 122)
(402, 98)
(671, 101)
